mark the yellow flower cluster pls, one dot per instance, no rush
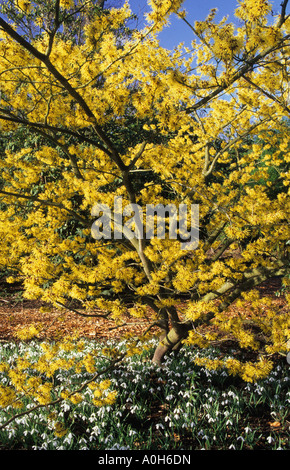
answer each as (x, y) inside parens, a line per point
(7, 396)
(248, 371)
(253, 10)
(103, 397)
(35, 378)
(28, 332)
(24, 5)
(161, 9)
(66, 4)
(197, 309)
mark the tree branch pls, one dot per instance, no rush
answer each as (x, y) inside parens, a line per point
(82, 314)
(67, 86)
(283, 14)
(54, 31)
(61, 399)
(210, 169)
(38, 125)
(266, 93)
(239, 74)
(46, 203)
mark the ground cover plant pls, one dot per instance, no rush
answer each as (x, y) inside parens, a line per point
(155, 408)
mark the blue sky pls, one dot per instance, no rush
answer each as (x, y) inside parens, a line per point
(197, 10)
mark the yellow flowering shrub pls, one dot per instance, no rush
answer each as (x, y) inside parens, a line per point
(92, 113)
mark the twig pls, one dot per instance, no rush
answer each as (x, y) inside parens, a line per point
(82, 314)
(60, 399)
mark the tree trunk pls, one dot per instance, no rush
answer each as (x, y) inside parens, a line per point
(169, 342)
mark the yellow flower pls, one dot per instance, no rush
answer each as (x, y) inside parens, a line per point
(28, 332)
(59, 429)
(24, 5)
(253, 10)
(43, 393)
(105, 384)
(76, 398)
(111, 398)
(66, 4)
(7, 396)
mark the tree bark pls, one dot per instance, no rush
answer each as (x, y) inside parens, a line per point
(172, 341)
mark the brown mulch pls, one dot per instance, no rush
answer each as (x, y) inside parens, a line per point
(16, 312)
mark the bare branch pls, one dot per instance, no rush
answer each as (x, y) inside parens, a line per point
(37, 125)
(132, 163)
(54, 31)
(82, 314)
(283, 14)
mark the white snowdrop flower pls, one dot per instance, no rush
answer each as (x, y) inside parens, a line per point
(270, 439)
(159, 426)
(232, 447)
(92, 418)
(11, 433)
(68, 438)
(229, 422)
(169, 397)
(65, 406)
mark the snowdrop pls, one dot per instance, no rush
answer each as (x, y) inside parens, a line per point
(159, 426)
